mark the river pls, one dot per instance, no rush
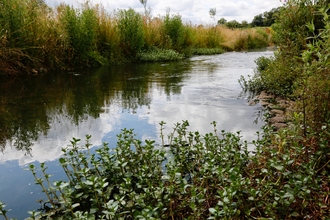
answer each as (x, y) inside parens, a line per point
(40, 114)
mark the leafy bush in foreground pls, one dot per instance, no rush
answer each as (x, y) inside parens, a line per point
(193, 176)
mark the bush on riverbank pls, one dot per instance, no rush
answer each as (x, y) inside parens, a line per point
(192, 176)
(35, 37)
(300, 71)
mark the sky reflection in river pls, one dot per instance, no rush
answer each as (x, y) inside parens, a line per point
(200, 90)
(209, 92)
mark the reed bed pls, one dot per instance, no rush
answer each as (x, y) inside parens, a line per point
(36, 37)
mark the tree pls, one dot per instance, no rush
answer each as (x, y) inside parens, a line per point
(244, 24)
(233, 24)
(222, 21)
(270, 16)
(258, 20)
(213, 12)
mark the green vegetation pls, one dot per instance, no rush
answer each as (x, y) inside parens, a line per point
(36, 38)
(265, 19)
(299, 71)
(190, 176)
(213, 176)
(158, 55)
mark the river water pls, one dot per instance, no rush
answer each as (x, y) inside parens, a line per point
(40, 114)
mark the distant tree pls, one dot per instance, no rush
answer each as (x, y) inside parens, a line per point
(233, 24)
(244, 24)
(222, 21)
(258, 21)
(270, 16)
(266, 19)
(212, 13)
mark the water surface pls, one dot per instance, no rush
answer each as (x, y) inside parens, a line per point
(40, 114)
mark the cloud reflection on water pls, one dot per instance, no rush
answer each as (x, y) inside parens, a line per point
(209, 92)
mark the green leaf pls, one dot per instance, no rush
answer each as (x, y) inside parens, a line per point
(278, 167)
(75, 205)
(62, 160)
(212, 210)
(294, 214)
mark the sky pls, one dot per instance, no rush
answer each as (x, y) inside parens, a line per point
(194, 11)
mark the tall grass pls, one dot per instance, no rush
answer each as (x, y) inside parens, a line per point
(35, 37)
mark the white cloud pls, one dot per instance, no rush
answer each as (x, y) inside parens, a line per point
(196, 11)
(48, 148)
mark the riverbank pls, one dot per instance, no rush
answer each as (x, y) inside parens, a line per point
(38, 38)
(277, 111)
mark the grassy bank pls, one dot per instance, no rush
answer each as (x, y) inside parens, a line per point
(36, 38)
(299, 71)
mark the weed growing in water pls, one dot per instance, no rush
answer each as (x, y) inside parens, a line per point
(158, 55)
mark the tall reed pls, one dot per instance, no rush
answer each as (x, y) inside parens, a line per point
(36, 37)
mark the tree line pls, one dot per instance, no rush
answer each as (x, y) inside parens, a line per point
(265, 19)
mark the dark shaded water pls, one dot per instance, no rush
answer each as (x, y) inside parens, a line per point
(41, 114)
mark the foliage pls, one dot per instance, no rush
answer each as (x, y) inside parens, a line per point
(131, 32)
(173, 31)
(36, 38)
(272, 75)
(222, 21)
(192, 176)
(213, 12)
(233, 24)
(265, 19)
(299, 70)
(255, 38)
(208, 51)
(290, 30)
(158, 55)
(313, 86)
(3, 211)
(80, 29)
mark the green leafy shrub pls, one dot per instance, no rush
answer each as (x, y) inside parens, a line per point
(214, 38)
(81, 33)
(290, 30)
(300, 70)
(259, 40)
(131, 32)
(313, 87)
(174, 31)
(191, 176)
(12, 22)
